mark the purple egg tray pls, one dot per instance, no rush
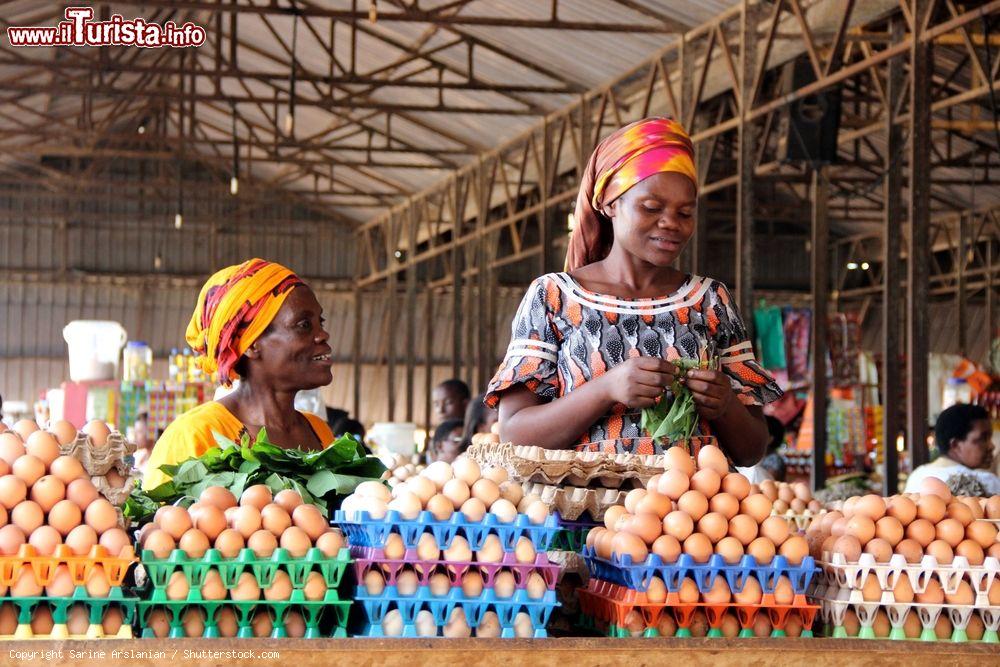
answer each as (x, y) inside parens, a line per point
(367, 559)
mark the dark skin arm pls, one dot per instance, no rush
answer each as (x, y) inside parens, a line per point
(525, 417)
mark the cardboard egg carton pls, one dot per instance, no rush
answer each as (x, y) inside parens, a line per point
(534, 464)
(838, 572)
(572, 501)
(96, 459)
(116, 495)
(835, 604)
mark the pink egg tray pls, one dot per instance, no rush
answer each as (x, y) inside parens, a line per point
(367, 559)
(838, 572)
(833, 609)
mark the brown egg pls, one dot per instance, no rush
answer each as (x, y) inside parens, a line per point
(795, 549)
(646, 527)
(262, 623)
(159, 622)
(762, 626)
(921, 531)
(903, 590)
(210, 520)
(65, 516)
(115, 541)
(881, 625)
(718, 592)
(64, 432)
(736, 485)
(963, 595)
(331, 542)
(870, 506)
(315, 588)
(654, 503)
(971, 551)
(879, 549)
(688, 592)
(785, 493)
(730, 549)
(950, 531)
(762, 550)
(678, 524)
(98, 585)
(11, 540)
(725, 504)
(194, 543)
(246, 588)
(77, 617)
(673, 484)
(849, 546)
(262, 542)
(43, 446)
(26, 585)
(776, 529)
(757, 506)
(11, 447)
(98, 432)
(67, 469)
(275, 519)
(160, 543)
(45, 539)
(743, 528)
(175, 521)
(935, 487)
(932, 508)
(212, 587)
(82, 492)
(902, 509)
(219, 497)
(612, 514)
(994, 593)
(960, 512)
(13, 491)
(287, 500)
(113, 621)
(247, 520)
(626, 544)
(28, 468)
(667, 626)
(295, 624)
(177, 586)
(668, 548)
(714, 526)
(941, 551)
(42, 621)
(62, 584)
(281, 587)
(295, 541)
(993, 507)
(751, 593)
(711, 457)
(194, 622)
(27, 516)
(861, 527)
(258, 496)
(933, 593)
(699, 547)
(694, 504)
(310, 520)
(978, 511)
(784, 594)
(911, 550)
(101, 516)
(707, 482)
(982, 532)
(975, 629)
(890, 529)
(678, 458)
(770, 489)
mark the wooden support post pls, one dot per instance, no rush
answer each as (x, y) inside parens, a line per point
(917, 244)
(428, 358)
(545, 226)
(961, 296)
(411, 310)
(358, 330)
(820, 296)
(390, 341)
(746, 151)
(457, 318)
(892, 292)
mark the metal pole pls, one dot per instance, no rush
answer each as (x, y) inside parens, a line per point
(892, 381)
(746, 151)
(820, 296)
(917, 250)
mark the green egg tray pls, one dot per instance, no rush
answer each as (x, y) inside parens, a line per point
(60, 605)
(569, 539)
(313, 612)
(264, 570)
(926, 635)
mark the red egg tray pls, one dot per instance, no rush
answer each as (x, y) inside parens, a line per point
(367, 559)
(612, 603)
(80, 567)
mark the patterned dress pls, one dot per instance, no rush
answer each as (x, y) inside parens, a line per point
(565, 335)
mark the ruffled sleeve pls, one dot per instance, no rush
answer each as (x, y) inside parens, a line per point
(532, 356)
(752, 384)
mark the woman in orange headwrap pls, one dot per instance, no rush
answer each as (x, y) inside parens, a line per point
(256, 321)
(591, 347)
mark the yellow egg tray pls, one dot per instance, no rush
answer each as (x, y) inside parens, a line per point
(61, 632)
(44, 567)
(528, 463)
(837, 572)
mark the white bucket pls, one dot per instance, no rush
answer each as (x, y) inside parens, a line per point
(94, 349)
(395, 437)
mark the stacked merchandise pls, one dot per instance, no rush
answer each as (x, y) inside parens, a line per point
(916, 566)
(794, 502)
(697, 553)
(261, 567)
(64, 551)
(455, 551)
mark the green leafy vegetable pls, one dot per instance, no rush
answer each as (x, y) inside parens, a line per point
(323, 478)
(676, 419)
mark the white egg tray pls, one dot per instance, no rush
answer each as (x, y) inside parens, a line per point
(529, 463)
(854, 596)
(572, 501)
(833, 610)
(838, 572)
(800, 521)
(98, 460)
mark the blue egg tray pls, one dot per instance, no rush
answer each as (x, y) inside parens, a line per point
(441, 607)
(621, 570)
(362, 530)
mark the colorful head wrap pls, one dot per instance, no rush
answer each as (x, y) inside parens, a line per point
(234, 308)
(628, 156)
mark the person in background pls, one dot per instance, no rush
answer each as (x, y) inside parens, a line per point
(450, 399)
(447, 442)
(350, 426)
(479, 418)
(772, 462)
(143, 441)
(963, 435)
(334, 416)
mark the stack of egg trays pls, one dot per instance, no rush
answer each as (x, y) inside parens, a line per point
(622, 571)
(840, 588)
(368, 536)
(611, 604)
(44, 569)
(573, 535)
(264, 570)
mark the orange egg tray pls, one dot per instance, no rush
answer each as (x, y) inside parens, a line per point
(80, 567)
(613, 603)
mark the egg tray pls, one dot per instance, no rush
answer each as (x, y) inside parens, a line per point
(832, 612)
(410, 631)
(315, 614)
(159, 596)
(855, 596)
(550, 466)
(117, 495)
(60, 605)
(61, 633)
(96, 459)
(838, 572)
(44, 567)
(615, 632)
(367, 559)
(375, 608)
(572, 502)
(612, 603)
(800, 521)
(621, 570)
(362, 530)
(264, 569)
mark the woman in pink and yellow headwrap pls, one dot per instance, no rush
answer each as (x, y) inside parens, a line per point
(593, 346)
(259, 323)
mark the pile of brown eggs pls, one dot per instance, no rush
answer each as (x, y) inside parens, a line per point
(793, 498)
(457, 625)
(227, 619)
(77, 620)
(729, 625)
(912, 626)
(696, 510)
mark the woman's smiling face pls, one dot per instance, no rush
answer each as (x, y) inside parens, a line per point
(655, 218)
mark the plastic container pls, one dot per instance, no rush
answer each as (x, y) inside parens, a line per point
(137, 362)
(60, 608)
(80, 567)
(838, 573)
(94, 349)
(329, 612)
(369, 558)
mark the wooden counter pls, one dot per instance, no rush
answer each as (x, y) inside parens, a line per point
(499, 653)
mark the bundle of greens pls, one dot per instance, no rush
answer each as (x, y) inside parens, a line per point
(674, 420)
(323, 478)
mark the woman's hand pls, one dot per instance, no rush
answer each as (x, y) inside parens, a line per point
(712, 392)
(638, 382)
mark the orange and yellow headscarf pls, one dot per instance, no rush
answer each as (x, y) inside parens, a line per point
(234, 308)
(628, 156)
